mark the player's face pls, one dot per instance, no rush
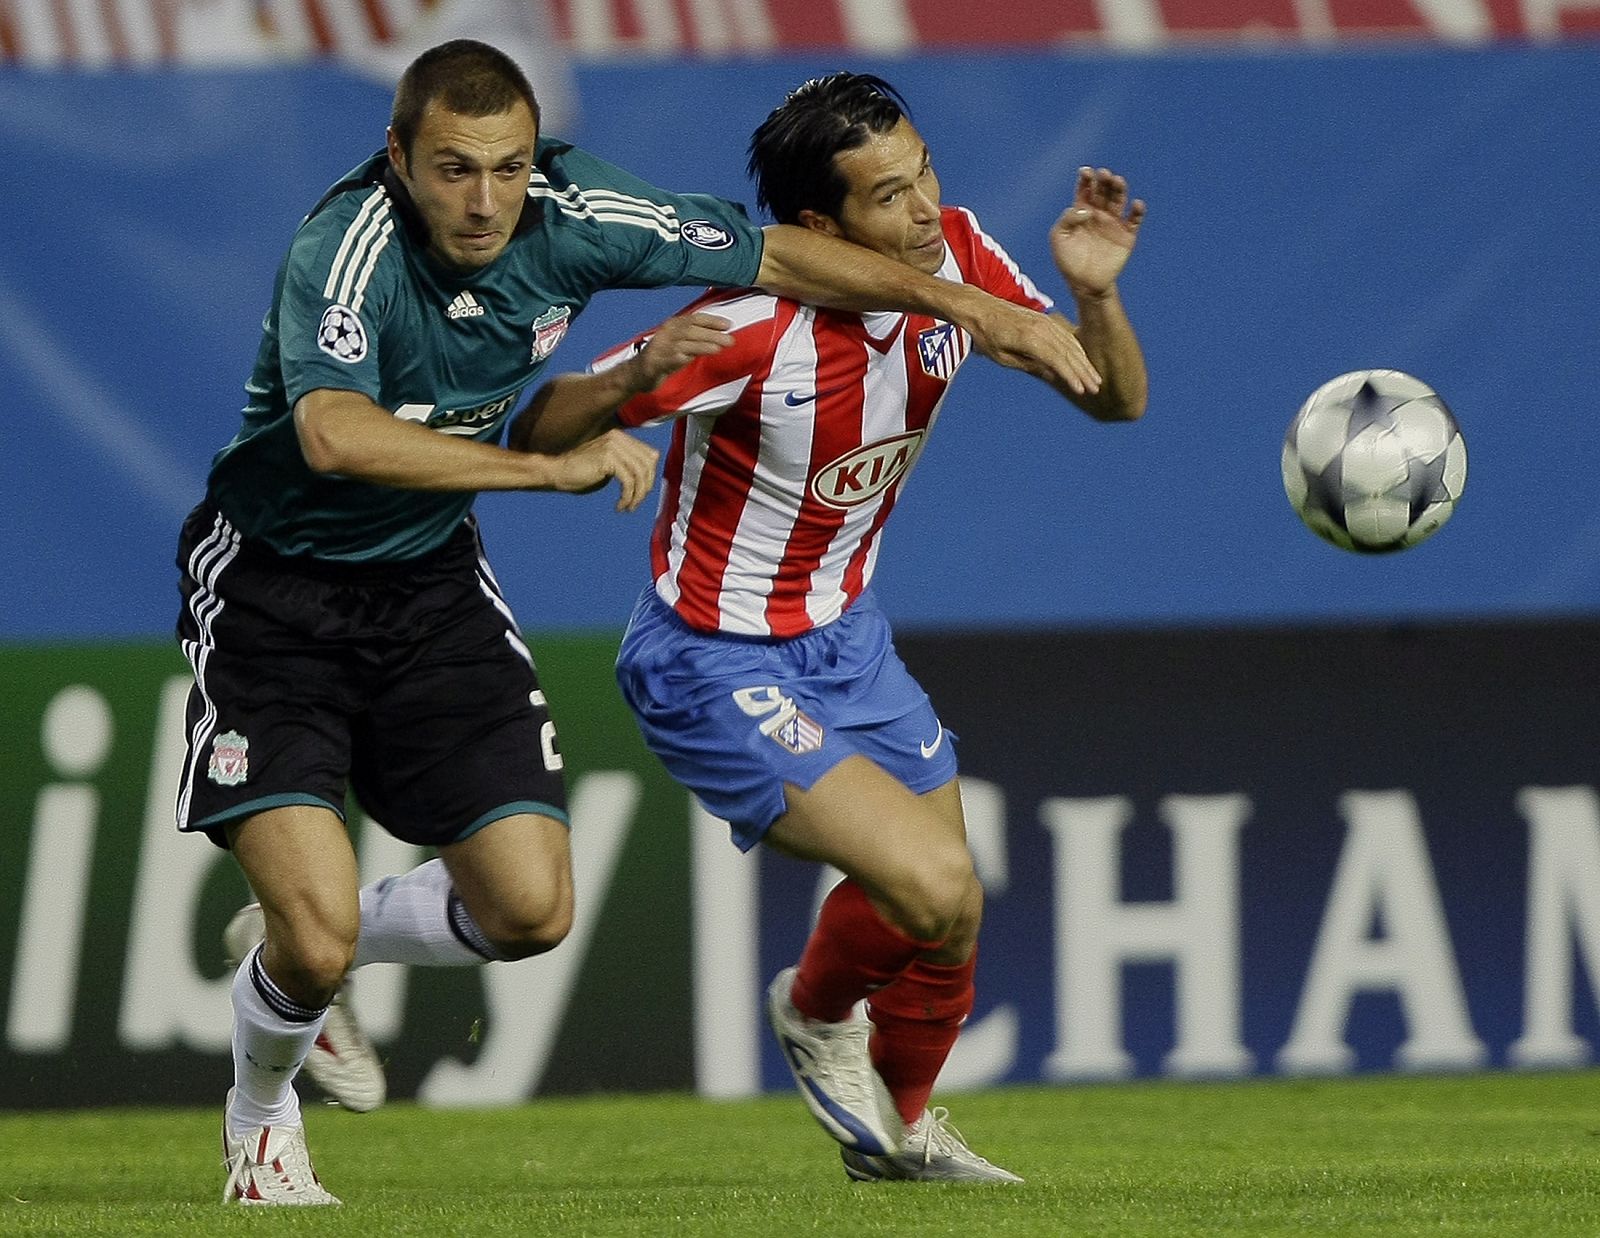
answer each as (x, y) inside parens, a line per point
(468, 176)
(892, 205)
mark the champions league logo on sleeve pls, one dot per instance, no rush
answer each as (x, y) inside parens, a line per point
(341, 335)
(703, 234)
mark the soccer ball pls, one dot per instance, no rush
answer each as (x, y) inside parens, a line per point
(1374, 461)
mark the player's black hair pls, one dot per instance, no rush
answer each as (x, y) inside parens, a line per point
(465, 76)
(791, 152)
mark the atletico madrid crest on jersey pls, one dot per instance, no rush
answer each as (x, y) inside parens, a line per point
(941, 349)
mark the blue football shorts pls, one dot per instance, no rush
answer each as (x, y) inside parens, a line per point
(736, 719)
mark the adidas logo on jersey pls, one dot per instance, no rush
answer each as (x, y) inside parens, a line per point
(464, 306)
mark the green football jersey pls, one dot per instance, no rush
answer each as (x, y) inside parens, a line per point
(359, 305)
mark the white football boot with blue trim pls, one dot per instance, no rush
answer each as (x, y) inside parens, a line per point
(833, 1069)
(933, 1151)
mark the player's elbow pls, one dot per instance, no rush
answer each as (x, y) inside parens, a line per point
(1112, 407)
(320, 444)
(320, 449)
(538, 428)
(520, 434)
(559, 418)
(1129, 408)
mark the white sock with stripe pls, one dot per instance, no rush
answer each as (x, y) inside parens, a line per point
(272, 1034)
(417, 918)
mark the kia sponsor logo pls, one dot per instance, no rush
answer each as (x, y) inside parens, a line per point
(867, 471)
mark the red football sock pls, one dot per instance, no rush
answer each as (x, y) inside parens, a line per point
(916, 1021)
(852, 952)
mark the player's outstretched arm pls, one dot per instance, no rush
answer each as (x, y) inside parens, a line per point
(1091, 243)
(573, 408)
(808, 266)
(344, 434)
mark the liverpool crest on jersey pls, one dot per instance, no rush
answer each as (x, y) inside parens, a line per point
(548, 328)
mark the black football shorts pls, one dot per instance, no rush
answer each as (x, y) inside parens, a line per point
(407, 683)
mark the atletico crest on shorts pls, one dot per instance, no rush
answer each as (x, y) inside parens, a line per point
(798, 733)
(941, 349)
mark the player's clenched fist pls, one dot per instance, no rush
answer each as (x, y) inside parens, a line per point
(612, 454)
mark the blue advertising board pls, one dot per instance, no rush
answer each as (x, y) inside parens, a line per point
(1310, 213)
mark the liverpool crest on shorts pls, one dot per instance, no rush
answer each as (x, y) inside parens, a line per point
(230, 759)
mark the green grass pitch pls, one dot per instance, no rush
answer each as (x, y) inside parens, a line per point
(1491, 1154)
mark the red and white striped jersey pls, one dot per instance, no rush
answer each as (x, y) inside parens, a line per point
(791, 445)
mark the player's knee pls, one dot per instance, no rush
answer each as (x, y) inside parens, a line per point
(329, 966)
(526, 940)
(532, 927)
(963, 935)
(937, 894)
(310, 964)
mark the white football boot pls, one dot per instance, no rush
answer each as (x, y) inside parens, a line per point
(342, 1061)
(833, 1068)
(933, 1151)
(270, 1165)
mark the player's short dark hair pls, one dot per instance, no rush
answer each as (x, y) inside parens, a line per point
(791, 152)
(465, 76)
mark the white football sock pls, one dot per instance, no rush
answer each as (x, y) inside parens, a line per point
(272, 1034)
(416, 918)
